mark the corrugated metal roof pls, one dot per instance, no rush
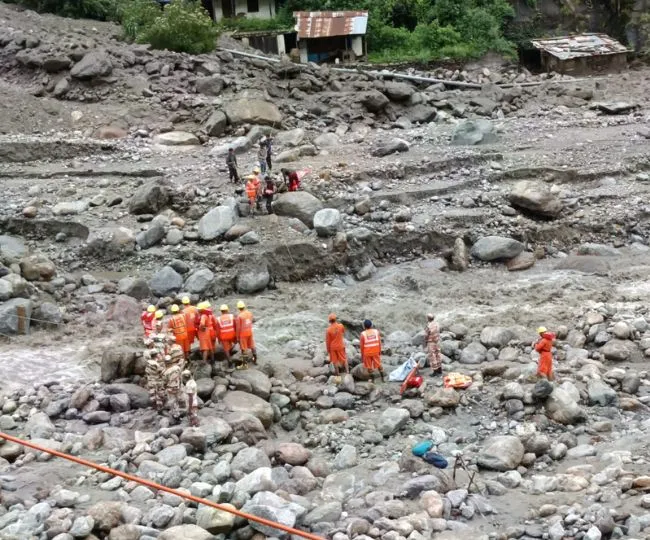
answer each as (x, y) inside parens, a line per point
(568, 47)
(318, 24)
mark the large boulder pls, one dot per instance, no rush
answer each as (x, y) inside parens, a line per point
(152, 236)
(246, 427)
(390, 146)
(535, 198)
(47, 314)
(39, 426)
(176, 138)
(252, 280)
(210, 86)
(11, 247)
(93, 64)
(248, 459)
(260, 383)
(503, 453)
(37, 267)
(149, 199)
(562, 407)
(474, 353)
(216, 222)
(298, 204)
(392, 420)
(292, 453)
(137, 288)
(327, 222)
(398, 91)
(125, 311)
(110, 242)
(213, 520)
(165, 282)
(492, 248)
(253, 111)
(116, 363)
(70, 208)
(375, 101)
(294, 137)
(600, 393)
(327, 140)
(10, 322)
(472, 132)
(186, 532)
(496, 336)
(199, 281)
(138, 396)
(421, 113)
(244, 402)
(216, 124)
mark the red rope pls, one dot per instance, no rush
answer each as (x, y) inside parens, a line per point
(159, 487)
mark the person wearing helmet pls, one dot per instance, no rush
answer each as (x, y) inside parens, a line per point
(190, 391)
(154, 370)
(370, 347)
(226, 331)
(159, 321)
(206, 332)
(190, 313)
(244, 330)
(261, 156)
(147, 319)
(251, 194)
(172, 383)
(177, 325)
(544, 346)
(432, 344)
(335, 345)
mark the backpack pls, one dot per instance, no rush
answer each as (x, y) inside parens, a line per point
(422, 448)
(435, 459)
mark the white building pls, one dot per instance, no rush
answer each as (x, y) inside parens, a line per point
(255, 9)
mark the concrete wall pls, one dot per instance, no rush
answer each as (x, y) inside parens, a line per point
(266, 11)
(357, 46)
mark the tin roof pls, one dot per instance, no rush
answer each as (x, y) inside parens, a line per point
(580, 45)
(319, 24)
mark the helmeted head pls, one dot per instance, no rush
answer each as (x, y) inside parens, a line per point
(430, 316)
(331, 317)
(185, 300)
(542, 330)
(187, 374)
(241, 305)
(257, 170)
(174, 309)
(168, 359)
(160, 314)
(367, 323)
(207, 305)
(151, 309)
(224, 308)
(200, 306)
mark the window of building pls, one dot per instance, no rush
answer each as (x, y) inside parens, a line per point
(253, 6)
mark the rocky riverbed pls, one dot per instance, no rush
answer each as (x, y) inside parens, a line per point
(500, 209)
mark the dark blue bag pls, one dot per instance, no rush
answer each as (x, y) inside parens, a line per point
(435, 459)
(422, 448)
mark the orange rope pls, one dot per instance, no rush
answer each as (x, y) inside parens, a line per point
(159, 487)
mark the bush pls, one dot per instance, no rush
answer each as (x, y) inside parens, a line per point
(137, 15)
(184, 26)
(434, 37)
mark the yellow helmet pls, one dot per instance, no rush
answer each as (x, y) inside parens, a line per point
(159, 314)
(200, 305)
(256, 170)
(175, 309)
(206, 305)
(224, 307)
(185, 300)
(241, 305)
(541, 330)
(151, 309)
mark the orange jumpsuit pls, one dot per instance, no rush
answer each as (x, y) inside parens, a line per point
(206, 332)
(544, 347)
(190, 313)
(251, 191)
(370, 344)
(244, 327)
(226, 331)
(178, 325)
(147, 322)
(335, 345)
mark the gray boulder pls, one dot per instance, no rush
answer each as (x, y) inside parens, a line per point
(248, 459)
(93, 64)
(471, 132)
(10, 323)
(562, 407)
(492, 248)
(474, 353)
(199, 281)
(253, 111)
(138, 396)
(212, 520)
(165, 282)
(253, 280)
(391, 146)
(260, 383)
(392, 420)
(48, 314)
(398, 91)
(421, 113)
(282, 515)
(327, 222)
(177, 138)
(149, 199)
(37, 267)
(294, 137)
(496, 336)
(503, 453)
(6, 290)
(210, 86)
(39, 426)
(216, 124)
(12, 247)
(137, 288)
(327, 140)
(216, 222)
(244, 402)
(600, 393)
(375, 101)
(110, 242)
(535, 198)
(298, 204)
(617, 350)
(70, 208)
(152, 236)
(186, 532)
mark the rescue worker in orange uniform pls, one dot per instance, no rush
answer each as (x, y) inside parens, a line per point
(544, 347)
(370, 345)
(226, 333)
(335, 345)
(147, 319)
(244, 328)
(206, 332)
(251, 193)
(178, 326)
(190, 313)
